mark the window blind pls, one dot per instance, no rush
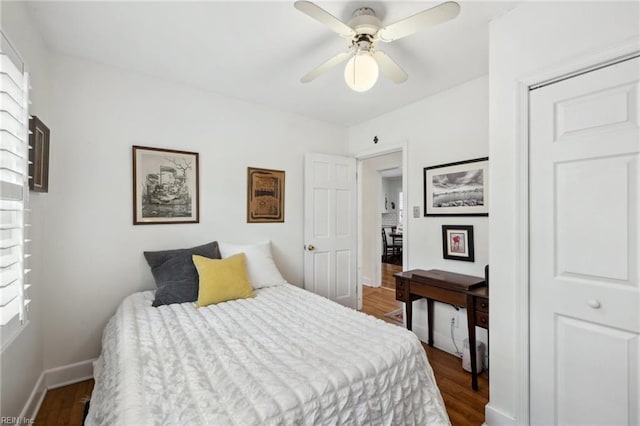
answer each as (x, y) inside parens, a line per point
(14, 192)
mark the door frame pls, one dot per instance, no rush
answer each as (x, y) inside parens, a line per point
(590, 61)
(363, 155)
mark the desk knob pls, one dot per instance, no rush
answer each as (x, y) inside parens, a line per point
(593, 303)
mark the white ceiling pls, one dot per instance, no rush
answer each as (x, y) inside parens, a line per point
(257, 51)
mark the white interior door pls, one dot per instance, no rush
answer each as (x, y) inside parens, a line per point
(330, 227)
(584, 295)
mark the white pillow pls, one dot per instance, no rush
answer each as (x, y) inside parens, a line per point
(261, 268)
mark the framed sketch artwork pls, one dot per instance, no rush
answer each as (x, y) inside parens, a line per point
(457, 242)
(165, 186)
(457, 189)
(265, 195)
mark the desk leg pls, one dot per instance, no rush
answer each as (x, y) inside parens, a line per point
(408, 306)
(430, 320)
(471, 322)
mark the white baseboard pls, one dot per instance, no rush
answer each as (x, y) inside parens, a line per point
(68, 374)
(494, 417)
(34, 402)
(443, 342)
(55, 378)
(369, 282)
(440, 341)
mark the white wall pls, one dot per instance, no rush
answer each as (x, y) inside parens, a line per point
(371, 207)
(21, 363)
(532, 38)
(94, 253)
(392, 186)
(447, 127)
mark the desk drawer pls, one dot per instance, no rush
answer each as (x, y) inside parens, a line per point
(402, 295)
(440, 294)
(482, 319)
(402, 289)
(481, 304)
(402, 284)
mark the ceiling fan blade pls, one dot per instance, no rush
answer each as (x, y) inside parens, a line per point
(324, 17)
(389, 67)
(325, 66)
(420, 21)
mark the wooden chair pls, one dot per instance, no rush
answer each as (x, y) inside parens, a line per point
(389, 250)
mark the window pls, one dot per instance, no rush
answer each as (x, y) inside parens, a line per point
(14, 192)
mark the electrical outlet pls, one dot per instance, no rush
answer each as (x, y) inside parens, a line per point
(455, 320)
(416, 211)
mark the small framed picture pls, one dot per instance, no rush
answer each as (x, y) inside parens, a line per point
(38, 155)
(457, 189)
(457, 242)
(165, 186)
(265, 195)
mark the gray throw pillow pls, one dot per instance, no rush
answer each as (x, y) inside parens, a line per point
(176, 275)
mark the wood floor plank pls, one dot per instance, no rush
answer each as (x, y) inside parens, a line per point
(56, 405)
(387, 278)
(82, 394)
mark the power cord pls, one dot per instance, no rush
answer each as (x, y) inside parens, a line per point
(458, 353)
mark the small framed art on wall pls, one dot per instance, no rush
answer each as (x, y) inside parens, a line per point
(457, 242)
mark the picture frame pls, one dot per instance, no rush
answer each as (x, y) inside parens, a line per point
(457, 242)
(165, 186)
(38, 155)
(265, 195)
(457, 189)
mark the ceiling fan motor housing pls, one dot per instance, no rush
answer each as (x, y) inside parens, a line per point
(365, 21)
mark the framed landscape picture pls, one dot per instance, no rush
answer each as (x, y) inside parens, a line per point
(457, 189)
(457, 242)
(165, 186)
(265, 195)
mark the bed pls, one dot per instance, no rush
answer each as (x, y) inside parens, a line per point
(285, 356)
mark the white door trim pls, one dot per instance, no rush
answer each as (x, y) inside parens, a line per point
(586, 62)
(375, 152)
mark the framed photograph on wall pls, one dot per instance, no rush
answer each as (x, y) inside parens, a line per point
(165, 186)
(265, 195)
(457, 189)
(38, 155)
(457, 242)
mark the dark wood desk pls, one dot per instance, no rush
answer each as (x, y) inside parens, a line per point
(465, 291)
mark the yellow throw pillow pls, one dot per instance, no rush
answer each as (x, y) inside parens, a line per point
(222, 279)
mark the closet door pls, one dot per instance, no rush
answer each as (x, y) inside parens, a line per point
(584, 214)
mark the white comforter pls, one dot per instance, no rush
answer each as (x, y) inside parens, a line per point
(284, 357)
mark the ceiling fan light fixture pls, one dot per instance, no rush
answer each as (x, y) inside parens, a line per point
(361, 72)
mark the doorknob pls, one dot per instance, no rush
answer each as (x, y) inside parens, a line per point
(593, 303)
(311, 247)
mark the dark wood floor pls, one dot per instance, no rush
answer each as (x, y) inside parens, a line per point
(64, 406)
(464, 405)
(387, 278)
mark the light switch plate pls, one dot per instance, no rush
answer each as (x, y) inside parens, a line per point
(416, 211)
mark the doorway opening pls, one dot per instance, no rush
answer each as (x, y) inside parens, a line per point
(381, 233)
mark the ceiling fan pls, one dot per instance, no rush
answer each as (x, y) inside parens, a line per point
(363, 32)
